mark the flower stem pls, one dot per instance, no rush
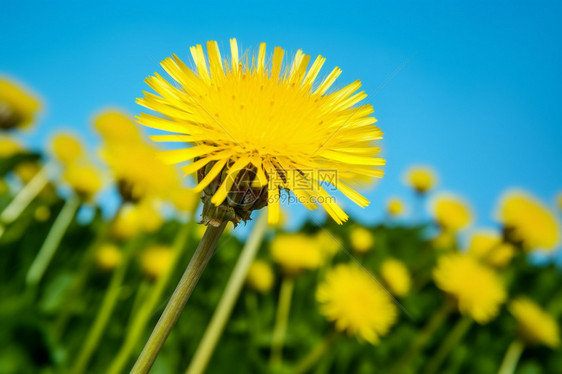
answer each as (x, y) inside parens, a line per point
(423, 337)
(281, 321)
(143, 314)
(511, 357)
(214, 331)
(52, 241)
(26, 195)
(104, 313)
(183, 291)
(316, 354)
(454, 337)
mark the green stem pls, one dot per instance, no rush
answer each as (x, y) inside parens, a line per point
(511, 357)
(214, 331)
(454, 337)
(52, 241)
(281, 321)
(422, 338)
(143, 314)
(183, 291)
(104, 313)
(26, 195)
(316, 354)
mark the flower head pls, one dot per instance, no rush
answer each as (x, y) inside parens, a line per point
(478, 290)
(258, 126)
(421, 179)
(137, 218)
(451, 212)
(17, 107)
(488, 245)
(328, 242)
(260, 276)
(133, 162)
(108, 256)
(296, 253)
(84, 178)
(535, 325)
(67, 148)
(9, 147)
(527, 221)
(155, 260)
(351, 299)
(396, 276)
(395, 207)
(361, 239)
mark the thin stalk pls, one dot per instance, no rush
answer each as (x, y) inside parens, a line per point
(422, 338)
(104, 313)
(455, 336)
(52, 241)
(281, 321)
(145, 312)
(316, 354)
(511, 357)
(26, 195)
(222, 313)
(183, 291)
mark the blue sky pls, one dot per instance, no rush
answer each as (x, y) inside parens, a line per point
(471, 88)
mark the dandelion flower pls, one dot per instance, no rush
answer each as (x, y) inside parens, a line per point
(488, 246)
(478, 290)
(84, 178)
(396, 276)
(116, 127)
(351, 299)
(9, 147)
(155, 261)
(535, 325)
(328, 242)
(260, 276)
(395, 207)
(67, 148)
(527, 221)
(451, 212)
(421, 179)
(108, 256)
(18, 108)
(265, 124)
(361, 239)
(296, 253)
(136, 218)
(42, 213)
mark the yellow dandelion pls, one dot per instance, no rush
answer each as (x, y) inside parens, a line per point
(9, 147)
(488, 245)
(395, 207)
(184, 199)
(18, 108)
(133, 162)
(26, 170)
(478, 290)
(116, 127)
(361, 239)
(451, 212)
(155, 261)
(260, 276)
(67, 148)
(134, 219)
(352, 299)
(42, 213)
(269, 119)
(526, 220)
(329, 243)
(296, 253)
(421, 179)
(108, 256)
(396, 276)
(84, 178)
(534, 324)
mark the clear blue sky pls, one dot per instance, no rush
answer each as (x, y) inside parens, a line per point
(478, 95)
